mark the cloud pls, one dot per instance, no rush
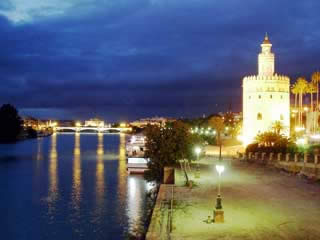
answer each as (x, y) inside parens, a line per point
(130, 58)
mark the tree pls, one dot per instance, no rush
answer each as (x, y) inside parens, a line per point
(312, 89)
(301, 86)
(166, 146)
(277, 127)
(218, 124)
(269, 139)
(315, 78)
(295, 91)
(10, 123)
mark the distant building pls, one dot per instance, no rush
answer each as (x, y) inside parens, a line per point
(36, 124)
(94, 122)
(159, 121)
(266, 97)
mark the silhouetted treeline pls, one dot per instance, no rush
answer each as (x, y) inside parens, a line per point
(10, 123)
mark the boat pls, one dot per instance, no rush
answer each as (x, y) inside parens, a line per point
(135, 151)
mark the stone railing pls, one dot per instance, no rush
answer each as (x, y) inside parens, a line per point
(306, 164)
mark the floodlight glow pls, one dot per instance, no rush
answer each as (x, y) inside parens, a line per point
(301, 141)
(316, 136)
(220, 169)
(240, 138)
(298, 129)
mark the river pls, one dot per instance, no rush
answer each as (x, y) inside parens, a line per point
(70, 186)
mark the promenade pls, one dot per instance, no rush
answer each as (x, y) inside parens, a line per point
(259, 203)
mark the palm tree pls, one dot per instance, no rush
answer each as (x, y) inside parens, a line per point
(302, 85)
(218, 124)
(315, 78)
(312, 89)
(277, 127)
(295, 91)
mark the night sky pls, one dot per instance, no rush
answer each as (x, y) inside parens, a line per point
(126, 59)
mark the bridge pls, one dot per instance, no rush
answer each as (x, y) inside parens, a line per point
(96, 129)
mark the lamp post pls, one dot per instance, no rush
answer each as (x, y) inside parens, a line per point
(218, 212)
(197, 151)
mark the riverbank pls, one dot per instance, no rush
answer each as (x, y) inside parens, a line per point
(259, 203)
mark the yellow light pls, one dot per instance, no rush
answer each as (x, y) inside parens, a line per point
(306, 109)
(123, 125)
(301, 141)
(240, 138)
(316, 136)
(78, 124)
(298, 129)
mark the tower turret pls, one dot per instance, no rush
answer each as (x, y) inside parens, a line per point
(266, 58)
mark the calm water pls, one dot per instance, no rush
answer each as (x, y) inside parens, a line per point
(69, 186)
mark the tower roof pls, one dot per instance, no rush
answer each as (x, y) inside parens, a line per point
(266, 40)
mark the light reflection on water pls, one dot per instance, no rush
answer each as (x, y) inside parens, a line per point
(80, 188)
(53, 176)
(76, 174)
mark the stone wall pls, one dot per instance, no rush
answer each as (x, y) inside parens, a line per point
(305, 164)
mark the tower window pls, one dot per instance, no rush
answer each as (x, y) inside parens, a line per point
(249, 97)
(259, 96)
(259, 116)
(270, 96)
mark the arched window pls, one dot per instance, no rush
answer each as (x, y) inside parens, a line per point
(259, 116)
(281, 117)
(259, 96)
(270, 96)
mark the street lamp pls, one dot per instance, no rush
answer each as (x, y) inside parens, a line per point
(218, 212)
(197, 151)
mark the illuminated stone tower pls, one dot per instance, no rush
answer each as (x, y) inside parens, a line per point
(266, 97)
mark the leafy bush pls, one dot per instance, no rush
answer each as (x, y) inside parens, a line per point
(272, 142)
(166, 146)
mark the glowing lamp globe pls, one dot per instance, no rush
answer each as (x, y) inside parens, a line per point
(197, 150)
(220, 169)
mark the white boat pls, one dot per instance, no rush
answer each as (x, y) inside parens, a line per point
(135, 146)
(135, 149)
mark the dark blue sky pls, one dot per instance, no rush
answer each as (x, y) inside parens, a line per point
(126, 59)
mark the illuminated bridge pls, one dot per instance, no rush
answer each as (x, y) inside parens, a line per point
(95, 129)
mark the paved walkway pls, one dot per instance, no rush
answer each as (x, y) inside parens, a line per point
(259, 203)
